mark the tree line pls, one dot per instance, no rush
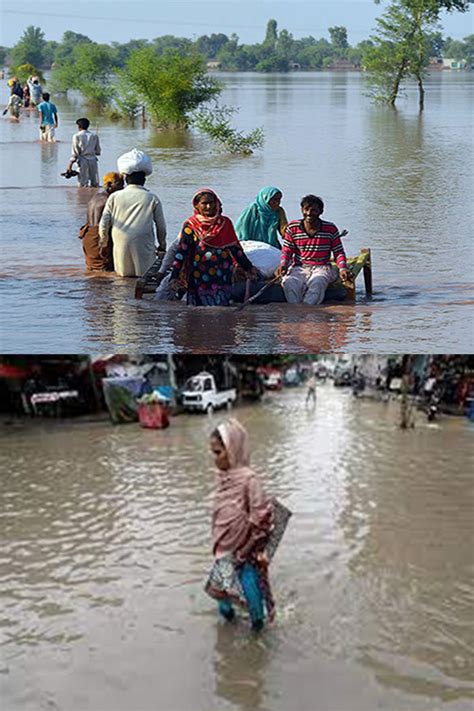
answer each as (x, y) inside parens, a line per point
(279, 51)
(168, 74)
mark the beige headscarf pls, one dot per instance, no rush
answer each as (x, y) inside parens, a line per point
(236, 442)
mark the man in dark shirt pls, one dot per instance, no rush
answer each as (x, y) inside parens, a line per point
(98, 259)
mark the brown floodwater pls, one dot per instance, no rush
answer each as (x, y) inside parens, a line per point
(397, 181)
(106, 546)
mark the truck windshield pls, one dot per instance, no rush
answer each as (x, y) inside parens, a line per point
(194, 385)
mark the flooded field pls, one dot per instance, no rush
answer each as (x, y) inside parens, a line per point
(105, 549)
(397, 181)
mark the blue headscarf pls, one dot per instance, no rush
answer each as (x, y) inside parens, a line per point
(258, 221)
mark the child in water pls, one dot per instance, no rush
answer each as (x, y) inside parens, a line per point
(242, 521)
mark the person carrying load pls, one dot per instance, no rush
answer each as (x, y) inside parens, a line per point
(132, 217)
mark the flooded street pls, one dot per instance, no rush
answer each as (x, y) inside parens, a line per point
(106, 547)
(397, 181)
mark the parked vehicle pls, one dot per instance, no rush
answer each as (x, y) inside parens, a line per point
(273, 380)
(320, 371)
(292, 378)
(251, 383)
(342, 377)
(200, 394)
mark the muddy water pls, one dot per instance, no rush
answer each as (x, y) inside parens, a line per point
(398, 182)
(105, 547)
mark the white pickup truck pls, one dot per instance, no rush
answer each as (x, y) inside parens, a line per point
(200, 393)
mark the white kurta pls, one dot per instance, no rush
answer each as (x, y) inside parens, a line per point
(129, 216)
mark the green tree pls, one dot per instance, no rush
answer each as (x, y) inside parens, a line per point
(65, 48)
(271, 35)
(182, 45)
(171, 85)
(457, 49)
(211, 45)
(356, 54)
(123, 51)
(401, 47)
(315, 55)
(30, 48)
(435, 44)
(339, 41)
(49, 52)
(89, 71)
(284, 45)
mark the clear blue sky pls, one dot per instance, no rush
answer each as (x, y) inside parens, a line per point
(121, 20)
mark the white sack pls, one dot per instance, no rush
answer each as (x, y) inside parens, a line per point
(133, 162)
(262, 255)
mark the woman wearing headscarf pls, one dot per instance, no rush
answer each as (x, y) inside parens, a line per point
(242, 521)
(264, 220)
(99, 258)
(207, 251)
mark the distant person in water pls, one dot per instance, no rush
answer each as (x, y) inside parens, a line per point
(85, 151)
(48, 119)
(13, 107)
(26, 96)
(305, 260)
(131, 218)
(35, 91)
(311, 389)
(97, 258)
(264, 220)
(207, 252)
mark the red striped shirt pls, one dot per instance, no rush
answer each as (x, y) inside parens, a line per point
(299, 248)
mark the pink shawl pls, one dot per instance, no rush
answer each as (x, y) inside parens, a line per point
(242, 513)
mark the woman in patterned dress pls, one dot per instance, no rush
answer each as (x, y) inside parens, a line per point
(207, 252)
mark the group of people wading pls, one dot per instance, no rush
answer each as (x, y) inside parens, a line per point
(208, 257)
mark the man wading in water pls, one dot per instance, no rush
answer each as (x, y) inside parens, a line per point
(85, 151)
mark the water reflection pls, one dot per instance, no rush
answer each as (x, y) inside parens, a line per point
(240, 668)
(173, 139)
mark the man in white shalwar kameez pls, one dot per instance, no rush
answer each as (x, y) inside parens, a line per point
(131, 217)
(85, 151)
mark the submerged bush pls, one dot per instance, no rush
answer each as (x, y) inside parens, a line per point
(216, 123)
(171, 85)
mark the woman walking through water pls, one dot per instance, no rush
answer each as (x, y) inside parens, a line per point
(207, 251)
(243, 520)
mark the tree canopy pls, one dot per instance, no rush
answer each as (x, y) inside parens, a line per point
(402, 46)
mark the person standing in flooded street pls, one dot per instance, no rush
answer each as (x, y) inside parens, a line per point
(311, 389)
(241, 525)
(99, 258)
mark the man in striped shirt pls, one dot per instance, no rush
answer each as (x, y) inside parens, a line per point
(307, 247)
